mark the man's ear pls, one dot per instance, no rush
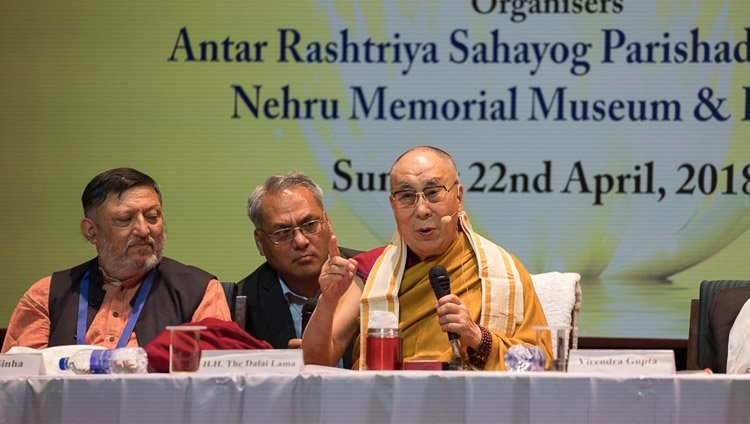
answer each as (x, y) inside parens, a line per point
(330, 226)
(257, 235)
(88, 229)
(460, 197)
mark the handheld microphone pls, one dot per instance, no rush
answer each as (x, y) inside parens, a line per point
(307, 311)
(441, 284)
(445, 220)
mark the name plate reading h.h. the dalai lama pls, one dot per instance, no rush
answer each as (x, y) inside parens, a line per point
(621, 362)
(251, 361)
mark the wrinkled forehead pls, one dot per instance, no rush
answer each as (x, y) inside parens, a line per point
(290, 206)
(133, 198)
(422, 170)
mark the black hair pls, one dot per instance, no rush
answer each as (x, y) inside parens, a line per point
(115, 181)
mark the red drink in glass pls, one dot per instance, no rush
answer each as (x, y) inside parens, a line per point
(384, 349)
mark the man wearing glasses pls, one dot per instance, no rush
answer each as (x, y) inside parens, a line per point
(293, 232)
(492, 306)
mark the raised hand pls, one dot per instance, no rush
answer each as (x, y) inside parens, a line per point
(337, 273)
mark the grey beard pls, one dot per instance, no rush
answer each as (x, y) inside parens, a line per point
(118, 265)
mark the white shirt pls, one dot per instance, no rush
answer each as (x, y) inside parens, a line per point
(295, 302)
(738, 351)
(295, 309)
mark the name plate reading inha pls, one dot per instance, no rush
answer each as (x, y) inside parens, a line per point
(21, 364)
(622, 362)
(251, 361)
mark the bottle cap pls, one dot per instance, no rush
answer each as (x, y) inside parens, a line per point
(63, 364)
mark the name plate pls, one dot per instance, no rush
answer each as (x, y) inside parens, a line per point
(21, 364)
(621, 362)
(251, 361)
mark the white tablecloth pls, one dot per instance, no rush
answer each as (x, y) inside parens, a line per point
(318, 395)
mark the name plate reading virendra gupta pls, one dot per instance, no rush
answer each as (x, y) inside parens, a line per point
(251, 361)
(621, 362)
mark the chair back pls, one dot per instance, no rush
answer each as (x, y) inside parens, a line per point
(230, 291)
(560, 296)
(708, 290)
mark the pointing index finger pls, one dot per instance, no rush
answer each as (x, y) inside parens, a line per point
(333, 249)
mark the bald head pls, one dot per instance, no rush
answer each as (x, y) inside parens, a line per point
(424, 153)
(421, 222)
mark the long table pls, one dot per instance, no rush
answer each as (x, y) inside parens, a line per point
(319, 395)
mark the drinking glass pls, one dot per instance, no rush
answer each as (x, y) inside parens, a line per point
(184, 348)
(560, 336)
(384, 349)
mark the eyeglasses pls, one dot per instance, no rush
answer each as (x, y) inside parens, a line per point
(285, 235)
(433, 194)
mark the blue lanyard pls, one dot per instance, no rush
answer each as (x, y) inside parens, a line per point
(83, 306)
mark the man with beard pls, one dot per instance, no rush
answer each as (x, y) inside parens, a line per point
(292, 231)
(129, 293)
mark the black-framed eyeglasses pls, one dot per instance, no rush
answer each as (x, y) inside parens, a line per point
(285, 235)
(433, 194)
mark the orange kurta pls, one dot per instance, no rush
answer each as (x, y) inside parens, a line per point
(30, 325)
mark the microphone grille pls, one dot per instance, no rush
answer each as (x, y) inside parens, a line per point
(440, 280)
(437, 271)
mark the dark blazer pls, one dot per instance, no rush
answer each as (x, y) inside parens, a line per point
(725, 307)
(268, 317)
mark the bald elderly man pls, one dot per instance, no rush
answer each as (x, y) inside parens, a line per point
(492, 307)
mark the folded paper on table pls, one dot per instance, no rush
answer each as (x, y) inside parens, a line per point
(22, 364)
(621, 362)
(251, 361)
(50, 359)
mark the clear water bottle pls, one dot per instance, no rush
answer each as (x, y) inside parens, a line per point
(124, 360)
(522, 358)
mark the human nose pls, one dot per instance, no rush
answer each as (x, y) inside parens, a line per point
(299, 240)
(140, 226)
(422, 206)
